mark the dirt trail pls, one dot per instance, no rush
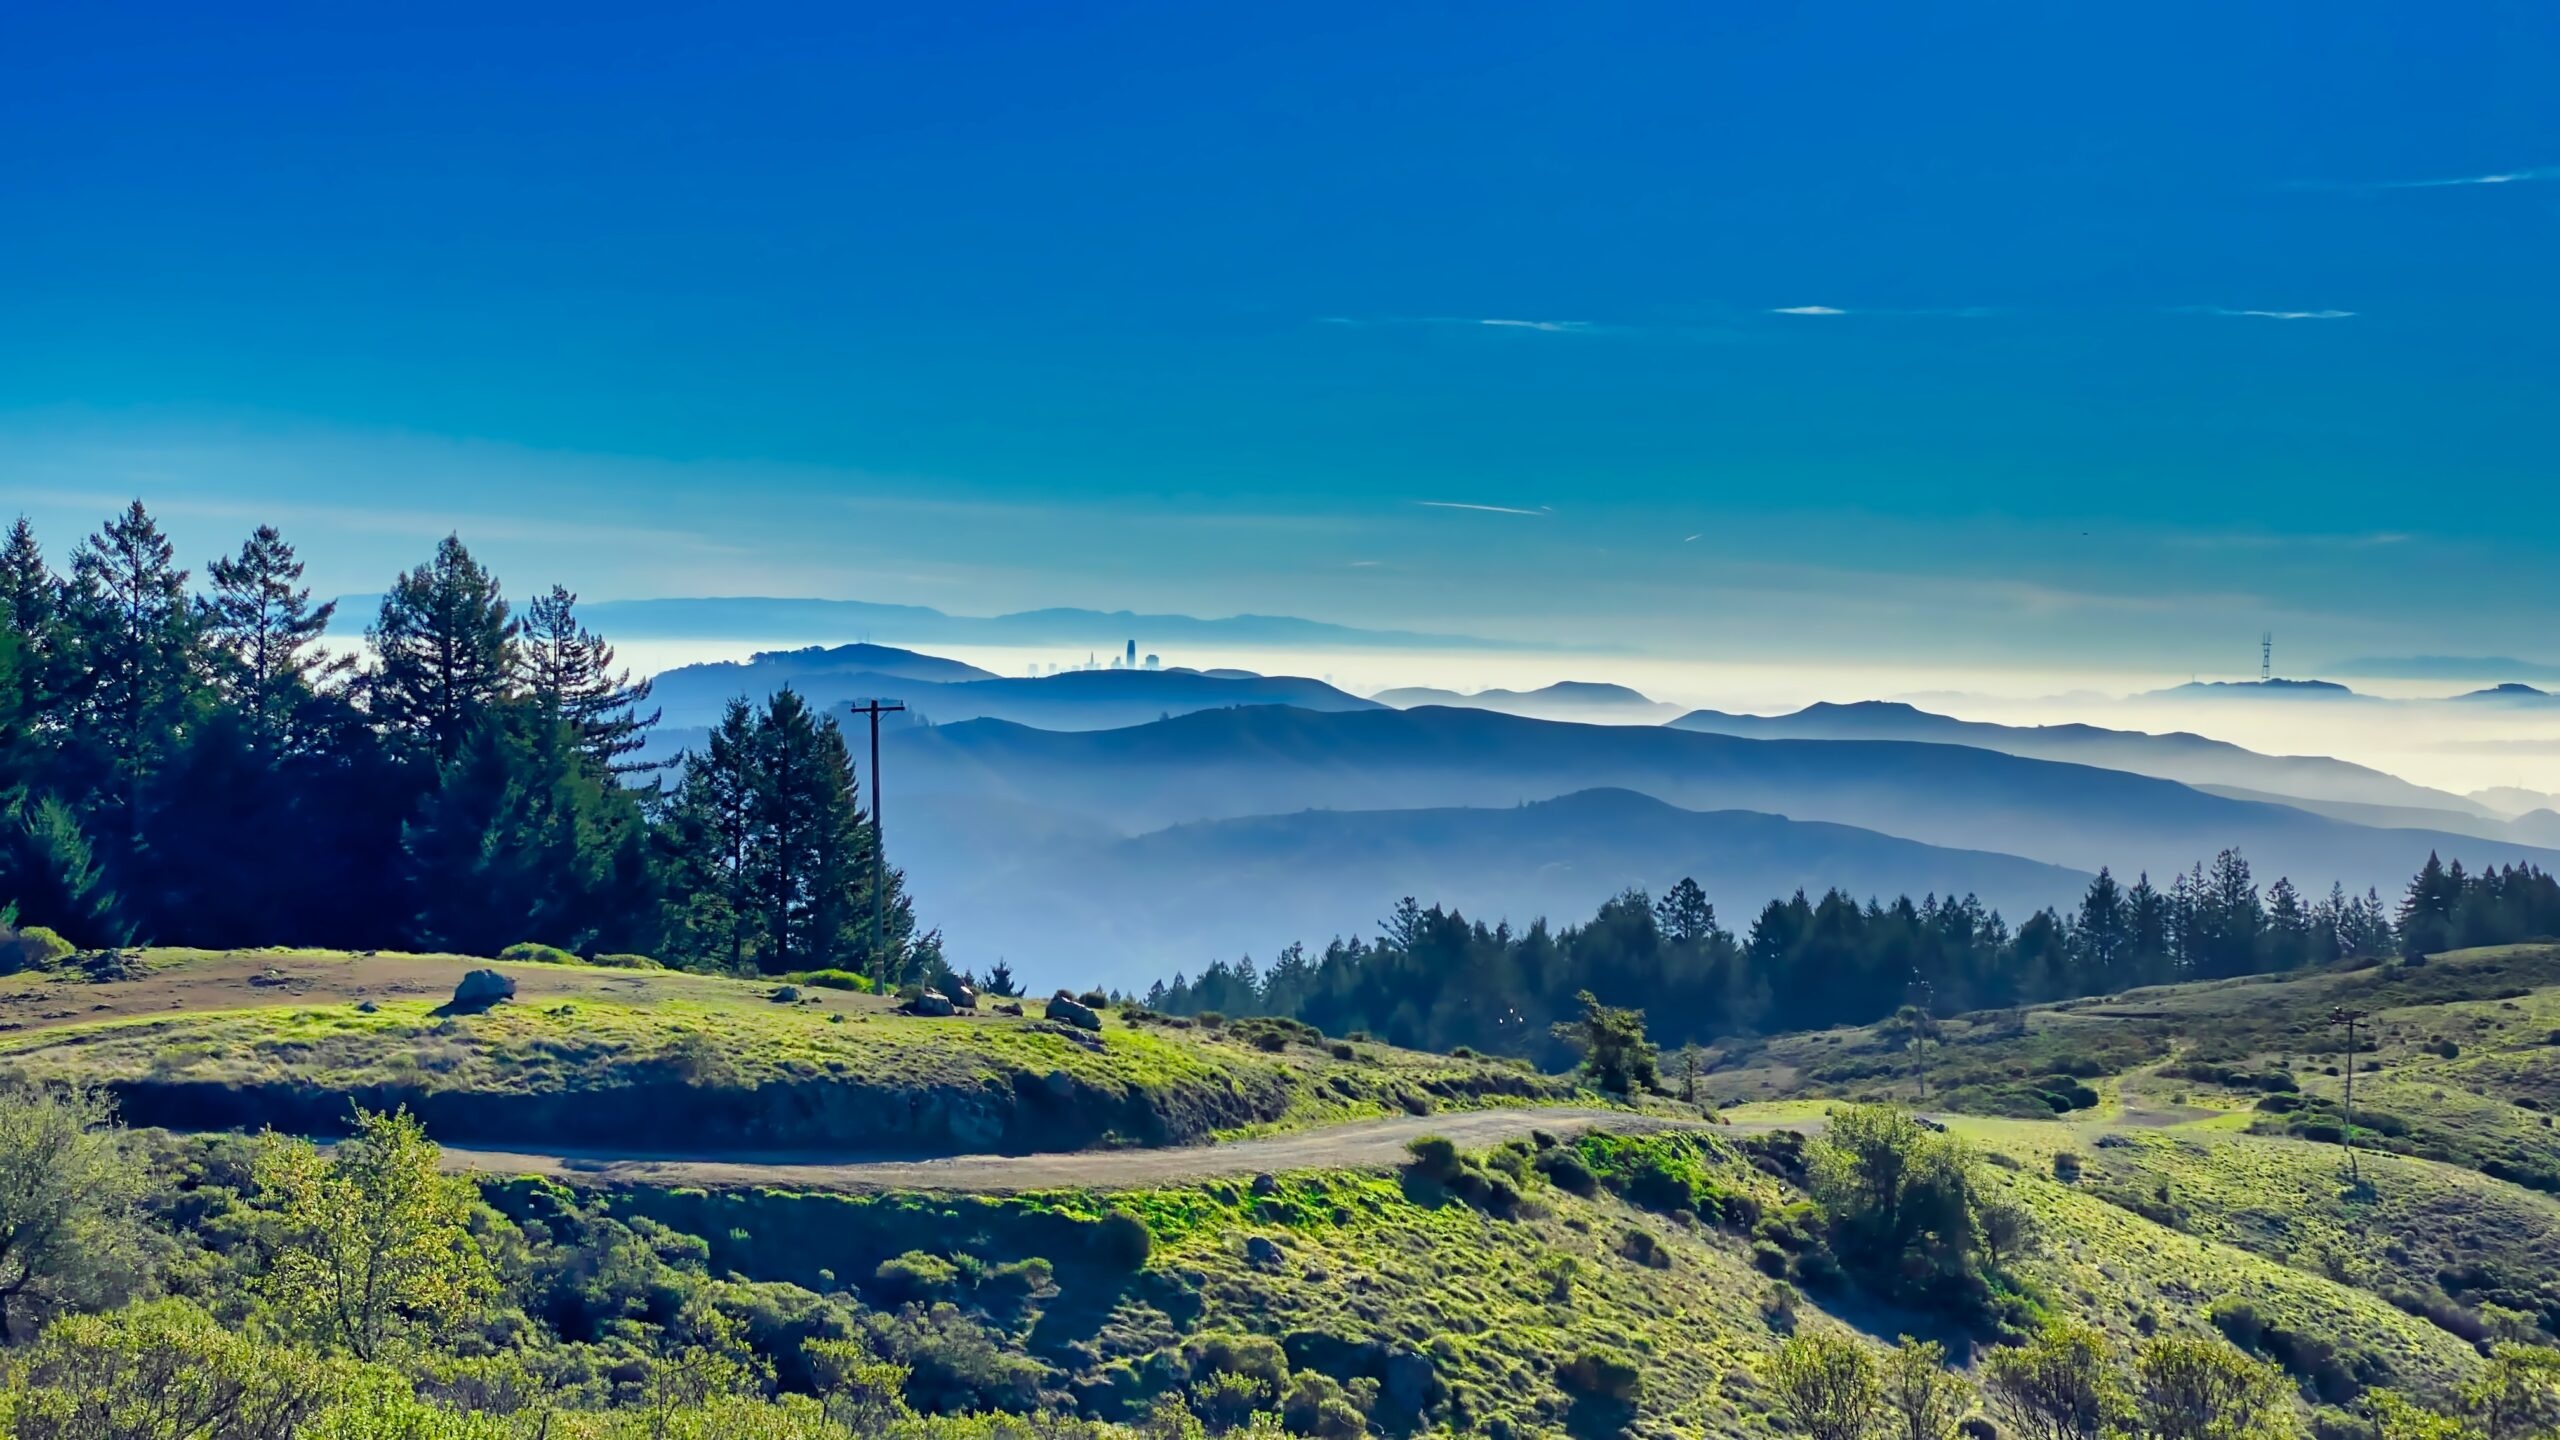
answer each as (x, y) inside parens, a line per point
(1361, 1144)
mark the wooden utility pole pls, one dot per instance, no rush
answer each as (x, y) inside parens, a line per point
(2347, 1135)
(879, 890)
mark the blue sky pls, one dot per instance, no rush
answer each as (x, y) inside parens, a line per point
(2160, 326)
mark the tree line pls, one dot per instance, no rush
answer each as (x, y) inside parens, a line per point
(193, 763)
(1435, 980)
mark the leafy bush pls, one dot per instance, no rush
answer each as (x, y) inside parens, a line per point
(1435, 1158)
(915, 1276)
(529, 952)
(1122, 1240)
(33, 948)
(1601, 1373)
(834, 980)
(622, 961)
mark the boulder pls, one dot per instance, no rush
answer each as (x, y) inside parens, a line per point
(1262, 1252)
(931, 1002)
(481, 989)
(1066, 1007)
(964, 997)
(1008, 1007)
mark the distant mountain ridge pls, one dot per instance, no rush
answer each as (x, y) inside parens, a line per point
(2186, 758)
(779, 620)
(946, 691)
(1260, 760)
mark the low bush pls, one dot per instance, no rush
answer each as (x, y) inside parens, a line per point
(530, 952)
(619, 961)
(1601, 1373)
(834, 980)
(33, 948)
(1122, 1240)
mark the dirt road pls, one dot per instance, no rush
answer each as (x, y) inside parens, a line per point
(1362, 1144)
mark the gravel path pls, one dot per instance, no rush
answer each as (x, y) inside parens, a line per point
(1361, 1144)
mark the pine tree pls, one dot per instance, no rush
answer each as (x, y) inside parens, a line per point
(2288, 936)
(49, 873)
(263, 631)
(1000, 982)
(1684, 914)
(445, 647)
(2426, 912)
(569, 668)
(710, 838)
(31, 604)
(2103, 937)
(131, 635)
(519, 840)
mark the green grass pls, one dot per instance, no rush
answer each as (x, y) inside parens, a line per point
(680, 1062)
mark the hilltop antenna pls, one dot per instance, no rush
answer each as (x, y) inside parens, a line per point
(2266, 656)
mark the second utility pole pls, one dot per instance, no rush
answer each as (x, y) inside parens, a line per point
(879, 894)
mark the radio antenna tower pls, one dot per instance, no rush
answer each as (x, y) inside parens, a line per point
(2266, 656)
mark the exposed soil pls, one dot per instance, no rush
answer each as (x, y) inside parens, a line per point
(1364, 1144)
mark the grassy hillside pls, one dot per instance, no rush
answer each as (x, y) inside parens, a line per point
(1589, 1284)
(677, 1063)
(2458, 1059)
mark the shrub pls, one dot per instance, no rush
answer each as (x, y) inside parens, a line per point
(529, 952)
(620, 961)
(832, 980)
(33, 948)
(1342, 1050)
(1121, 1240)
(2066, 1166)
(1601, 1373)
(1564, 1170)
(1435, 1158)
(915, 1276)
(1093, 999)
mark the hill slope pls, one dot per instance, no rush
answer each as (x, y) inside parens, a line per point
(1030, 886)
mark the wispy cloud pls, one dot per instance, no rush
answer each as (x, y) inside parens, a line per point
(2495, 177)
(1685, 539)
(1540, 513)
(1807, 310)
(2274, 314)
(1498, 322)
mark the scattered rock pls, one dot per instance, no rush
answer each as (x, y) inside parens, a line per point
(931, 1002)
(270, 976)
(481, 989)
(964, 997)
(1266, 1185)
(1261, 1252)
(784, 994)
(1065, 1007)
(1009, 1008)
(1086, 1038)
(366, 1007)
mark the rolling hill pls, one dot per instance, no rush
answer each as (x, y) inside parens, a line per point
(1565, 700)
(1055, 899)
